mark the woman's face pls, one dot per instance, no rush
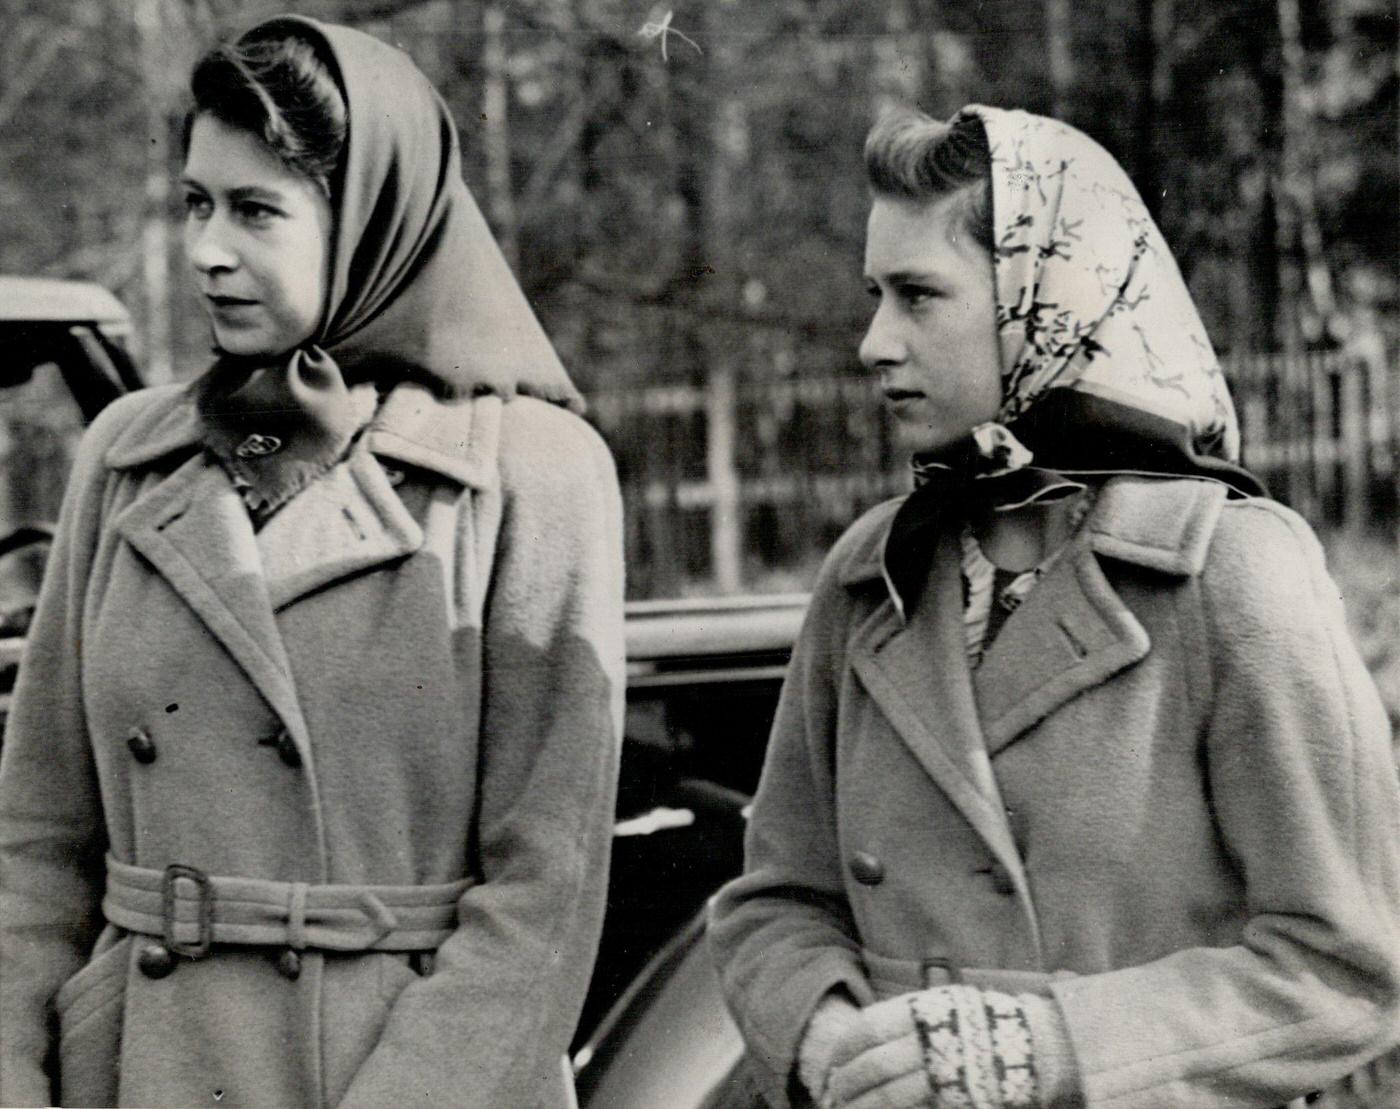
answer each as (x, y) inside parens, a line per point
(933, 340)
(259, 238)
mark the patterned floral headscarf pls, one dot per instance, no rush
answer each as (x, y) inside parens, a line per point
(1106, 367)
(1089, 297)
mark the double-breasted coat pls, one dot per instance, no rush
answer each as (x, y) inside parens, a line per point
(410, 677)
(1166, 798)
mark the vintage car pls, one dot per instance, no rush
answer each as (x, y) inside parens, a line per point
(703, 680)
(62, 360)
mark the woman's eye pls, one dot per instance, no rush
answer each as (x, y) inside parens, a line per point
(254, 213)
(917, 294)
(198, 205)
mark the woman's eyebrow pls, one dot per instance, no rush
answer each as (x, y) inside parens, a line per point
(256, 192)
(238, 193)
(906, 277)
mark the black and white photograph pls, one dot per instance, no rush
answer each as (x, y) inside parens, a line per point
(700, 554)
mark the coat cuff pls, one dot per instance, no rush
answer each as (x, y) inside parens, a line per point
(773, 1045)
(1057, 1067)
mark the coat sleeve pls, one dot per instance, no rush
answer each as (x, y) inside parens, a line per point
(52, 833)
(1297, 761)
(489, 1027)
(782, 935)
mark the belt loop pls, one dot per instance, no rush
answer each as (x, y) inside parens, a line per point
(296, 916)
(204, 910)
(951, 973)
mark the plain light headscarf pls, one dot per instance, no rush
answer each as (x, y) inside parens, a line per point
(418, 288)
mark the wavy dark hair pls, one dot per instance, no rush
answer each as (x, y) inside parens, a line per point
(911, 156)
(278, 87)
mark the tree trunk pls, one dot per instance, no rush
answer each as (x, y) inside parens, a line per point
(1059, 57)
(495, 107)
(723, 345)
(1156, 24)
(155, 226)
(1298, 170)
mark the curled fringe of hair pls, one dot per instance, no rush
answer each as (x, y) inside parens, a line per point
(281, 91)
(911, 156)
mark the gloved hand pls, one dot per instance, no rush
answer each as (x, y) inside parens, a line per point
(833, 1017)
(1374, 1086)
(943, 1046)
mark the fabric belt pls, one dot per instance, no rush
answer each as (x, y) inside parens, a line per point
(192, 911)
(891, 976)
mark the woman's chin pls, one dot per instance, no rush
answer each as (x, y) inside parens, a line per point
(243, 344)
(922, 438)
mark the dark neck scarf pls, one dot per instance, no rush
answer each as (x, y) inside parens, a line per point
(1083, 438)
(418, 288)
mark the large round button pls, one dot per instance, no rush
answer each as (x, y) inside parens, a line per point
(867, 869)
(141, 746)
(156, 960)
(287, 749)
(289, 965)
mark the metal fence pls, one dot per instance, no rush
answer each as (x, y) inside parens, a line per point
(742, 484)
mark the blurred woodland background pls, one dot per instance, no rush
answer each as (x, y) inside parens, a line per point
(680, 190)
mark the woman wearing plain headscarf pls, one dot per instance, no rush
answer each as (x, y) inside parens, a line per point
(1078, 793)
(306, 797)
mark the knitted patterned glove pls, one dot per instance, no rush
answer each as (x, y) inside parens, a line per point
(944, 1046)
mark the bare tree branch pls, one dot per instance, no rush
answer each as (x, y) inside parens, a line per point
(30, 73)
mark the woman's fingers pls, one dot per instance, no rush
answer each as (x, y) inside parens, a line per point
(911, 1091)
(877, 1024)
(887, 1076)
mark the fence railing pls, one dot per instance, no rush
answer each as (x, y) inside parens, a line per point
(743, 484)
(1323, 429)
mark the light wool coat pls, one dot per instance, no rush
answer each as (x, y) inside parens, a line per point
(1166, 798)
(438, 630)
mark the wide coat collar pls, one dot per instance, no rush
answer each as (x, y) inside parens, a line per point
(1073, 633)
(191, 525)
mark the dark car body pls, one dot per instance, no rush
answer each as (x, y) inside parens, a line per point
(703, 682)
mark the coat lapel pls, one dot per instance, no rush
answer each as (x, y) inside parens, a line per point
(1072, 633)
(917, 674)
(342, 524)
(193, 529)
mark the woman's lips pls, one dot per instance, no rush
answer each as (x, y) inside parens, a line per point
(899, 398)
(229, 310)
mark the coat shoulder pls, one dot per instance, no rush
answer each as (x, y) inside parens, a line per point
(555, 469)
(544, 443)
(123, 421)
(1263, 552)
(129, 414)
(855, 558)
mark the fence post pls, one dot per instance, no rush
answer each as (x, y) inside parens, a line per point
(726, 535)
(1356, 501)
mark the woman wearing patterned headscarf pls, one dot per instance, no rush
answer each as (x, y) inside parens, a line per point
(306, 794)
(1078, 793)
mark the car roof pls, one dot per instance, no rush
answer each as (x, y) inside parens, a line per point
(713, 626)
(49, 299)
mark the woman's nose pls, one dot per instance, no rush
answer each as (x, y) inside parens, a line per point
(881, 346)
(207, 245)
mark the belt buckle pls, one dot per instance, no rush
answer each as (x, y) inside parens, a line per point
(198, 948)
